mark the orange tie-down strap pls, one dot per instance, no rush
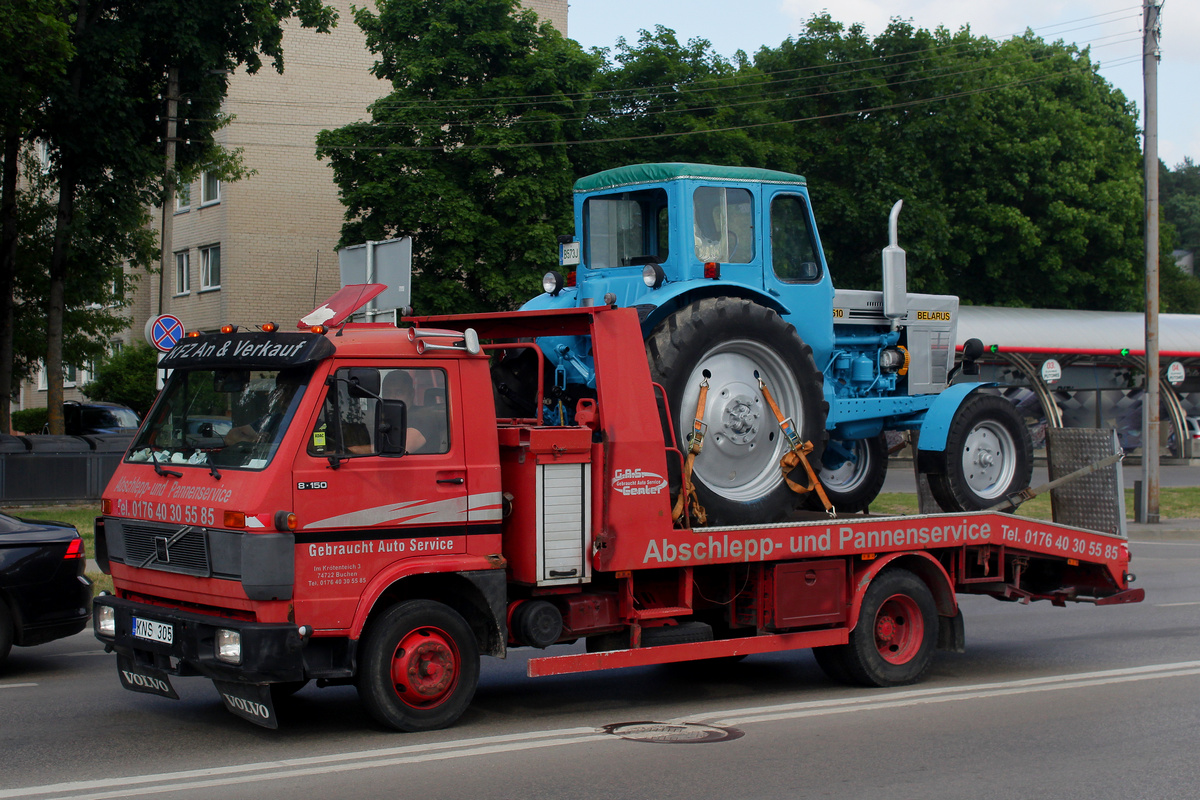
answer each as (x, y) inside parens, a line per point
(797, 455)
(687, 506)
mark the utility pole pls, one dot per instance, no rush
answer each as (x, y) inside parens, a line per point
(1152, 29)
(168, 208)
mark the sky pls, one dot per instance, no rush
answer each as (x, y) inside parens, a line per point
(1112, 28)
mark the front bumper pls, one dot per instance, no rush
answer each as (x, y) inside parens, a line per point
(271, 652)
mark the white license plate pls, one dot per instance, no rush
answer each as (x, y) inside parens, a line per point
(153, 631)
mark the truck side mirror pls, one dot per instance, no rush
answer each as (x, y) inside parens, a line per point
(391, 427)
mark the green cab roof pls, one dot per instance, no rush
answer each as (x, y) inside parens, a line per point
(658, 173)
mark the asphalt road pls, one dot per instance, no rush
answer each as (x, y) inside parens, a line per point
(1081, 702)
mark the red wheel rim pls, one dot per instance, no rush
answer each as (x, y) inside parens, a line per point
(899, 629)
(425, 667)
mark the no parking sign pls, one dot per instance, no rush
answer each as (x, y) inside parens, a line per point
(164, 331)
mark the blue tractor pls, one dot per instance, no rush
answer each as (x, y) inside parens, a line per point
(725, 268)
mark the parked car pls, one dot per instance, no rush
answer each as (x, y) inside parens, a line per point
(44, 594)
(94, 417)
(1191, 426)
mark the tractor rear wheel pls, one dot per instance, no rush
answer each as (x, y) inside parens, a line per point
(731, 342)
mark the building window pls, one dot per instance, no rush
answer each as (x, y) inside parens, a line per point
(210, 267)
(183, 276)
(183, 198)
(44, 157)
(42, 384)
(210, 188)
(69, 375)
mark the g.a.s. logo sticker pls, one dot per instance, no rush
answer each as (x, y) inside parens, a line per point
(634, 481)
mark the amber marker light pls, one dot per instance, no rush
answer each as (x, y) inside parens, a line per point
(235, 519)
(106, 505)
(229, 328)
(319, 329)
(193, 334)
(269, 327)
(712, 270)
(285, 521)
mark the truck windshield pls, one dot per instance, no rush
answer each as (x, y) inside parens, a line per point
(226, 418)
(622, 230)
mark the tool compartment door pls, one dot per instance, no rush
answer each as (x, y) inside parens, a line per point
(563, 522)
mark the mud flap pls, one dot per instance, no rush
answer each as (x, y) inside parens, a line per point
(141, 678)
(250, 701)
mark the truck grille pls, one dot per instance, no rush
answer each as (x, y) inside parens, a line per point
(170, 548)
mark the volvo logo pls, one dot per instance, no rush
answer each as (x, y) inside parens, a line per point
(162, 545)
(247, 706)
(146, 682)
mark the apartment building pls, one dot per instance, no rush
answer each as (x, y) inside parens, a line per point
(263, 248)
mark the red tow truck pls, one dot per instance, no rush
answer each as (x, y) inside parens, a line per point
(345, 505)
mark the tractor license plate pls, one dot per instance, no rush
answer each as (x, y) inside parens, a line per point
(153, 630)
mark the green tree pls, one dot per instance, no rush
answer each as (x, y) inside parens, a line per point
(659, 100)
(446, 157)
(100, 117)
(34, 50)
(1179, 200)
(1019, 164)
(128, 376)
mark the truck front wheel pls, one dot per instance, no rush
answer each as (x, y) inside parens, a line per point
(989, 455)
(419, 666)
(733, 341)
(895, 638)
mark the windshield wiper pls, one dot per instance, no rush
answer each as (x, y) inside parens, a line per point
(212, 466)
(158, 468)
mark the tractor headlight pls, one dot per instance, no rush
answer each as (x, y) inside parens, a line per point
(552, 283)
(653, 276)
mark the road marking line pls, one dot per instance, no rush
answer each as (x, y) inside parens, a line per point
(917, 696)
(325, 763)
(85, 653)
(490, 745)
(16, 685)
(1172, 605)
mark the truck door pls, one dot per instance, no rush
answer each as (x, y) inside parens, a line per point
(346, 490)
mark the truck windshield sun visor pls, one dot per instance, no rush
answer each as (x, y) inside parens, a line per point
(221, 418)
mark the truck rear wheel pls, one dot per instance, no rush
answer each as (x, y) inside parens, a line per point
(896, 635)
(737, 475)
(988, 456)
(853, 484)
(419, 666)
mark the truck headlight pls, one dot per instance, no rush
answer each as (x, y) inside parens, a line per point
(106, 621)
(229, 646)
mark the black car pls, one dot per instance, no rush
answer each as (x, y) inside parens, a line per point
(95, 417)
(43, 592)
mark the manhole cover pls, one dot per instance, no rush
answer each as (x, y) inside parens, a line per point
(672, 732)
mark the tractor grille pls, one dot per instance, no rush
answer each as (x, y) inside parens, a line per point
(170, 548)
